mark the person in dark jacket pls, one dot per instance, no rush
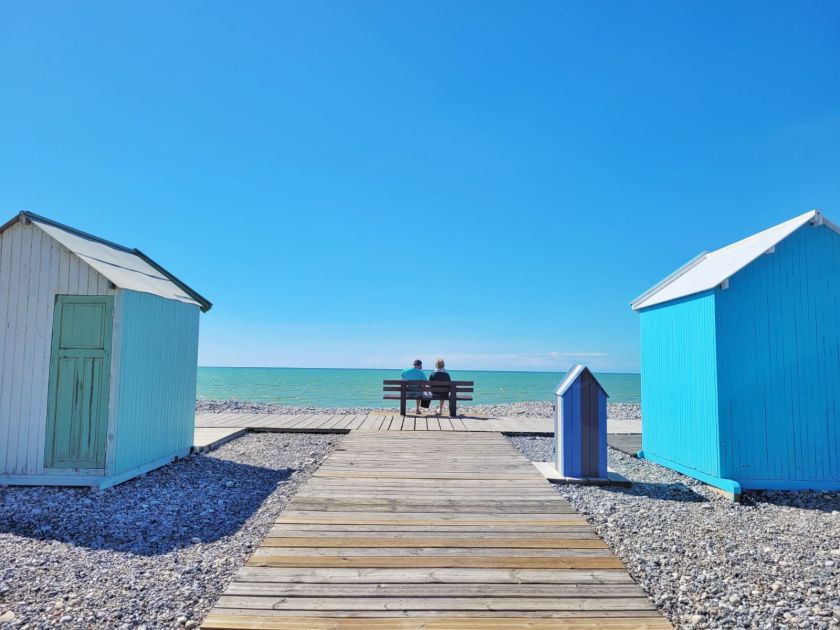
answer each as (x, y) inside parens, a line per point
(440, 376)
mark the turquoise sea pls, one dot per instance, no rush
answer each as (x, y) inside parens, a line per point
(330, 387)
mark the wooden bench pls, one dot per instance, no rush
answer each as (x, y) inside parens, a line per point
(399, 390)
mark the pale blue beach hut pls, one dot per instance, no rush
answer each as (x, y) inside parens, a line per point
(98, 352)
(740, 359)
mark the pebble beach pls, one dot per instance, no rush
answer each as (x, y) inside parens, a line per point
(770, 562)
(154, 552)
(157, 551)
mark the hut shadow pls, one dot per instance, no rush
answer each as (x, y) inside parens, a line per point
(812, 500)
(201, 497)
(676, 491)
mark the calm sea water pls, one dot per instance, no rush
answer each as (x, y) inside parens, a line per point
(327, 387)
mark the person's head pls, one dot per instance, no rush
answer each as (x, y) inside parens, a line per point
(439, 364)
(418, 364)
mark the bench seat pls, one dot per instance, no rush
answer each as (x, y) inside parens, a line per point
(398, 397)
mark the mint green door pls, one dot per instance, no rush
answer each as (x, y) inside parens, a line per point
(80, 366)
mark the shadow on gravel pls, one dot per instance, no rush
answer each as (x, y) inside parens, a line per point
(199, 497)
(660, 491)
(803, 500)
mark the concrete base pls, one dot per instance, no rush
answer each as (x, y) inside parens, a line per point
(550, 472)
(727, 487)
(93, 481)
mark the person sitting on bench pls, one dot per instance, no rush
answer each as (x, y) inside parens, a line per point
(415, 374)
(440, 375)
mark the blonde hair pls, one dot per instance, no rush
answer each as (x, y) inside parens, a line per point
(439, 364)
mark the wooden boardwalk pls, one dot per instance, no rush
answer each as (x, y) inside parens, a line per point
(434, 531)
(332, 423)
(385, 421)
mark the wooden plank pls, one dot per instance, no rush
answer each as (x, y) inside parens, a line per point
(227, 621)
(426, 519)
(436, 603)
(433, 576)
(412, 541)
(364, 474)
(332, 422)
(438, 562)
(554, 591)
(385, 533)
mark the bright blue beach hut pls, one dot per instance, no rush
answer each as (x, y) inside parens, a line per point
(740, 359)
(98, 350)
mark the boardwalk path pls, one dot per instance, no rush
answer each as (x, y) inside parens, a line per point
(384, 421)
(433, 531)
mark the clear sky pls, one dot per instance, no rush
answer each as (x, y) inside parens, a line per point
(354, 184)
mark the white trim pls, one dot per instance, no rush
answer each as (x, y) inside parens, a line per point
(669, 279)
(832, 226)
(570, 377)
(114, 392)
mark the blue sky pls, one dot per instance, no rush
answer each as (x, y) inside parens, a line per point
(356, 183)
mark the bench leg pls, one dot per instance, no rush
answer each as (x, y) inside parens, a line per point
(453, 402)
(402, 402)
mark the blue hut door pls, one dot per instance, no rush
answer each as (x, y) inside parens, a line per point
(80, 366)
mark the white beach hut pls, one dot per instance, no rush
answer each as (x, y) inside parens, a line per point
(98, 357)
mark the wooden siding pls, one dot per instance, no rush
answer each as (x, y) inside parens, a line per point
(779, 365)
(679, 383)
(155, 404)
(33, 270)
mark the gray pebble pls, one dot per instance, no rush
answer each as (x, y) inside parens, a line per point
(118, 559)
(708, 563)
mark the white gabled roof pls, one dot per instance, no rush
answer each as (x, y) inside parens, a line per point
(708, 270)
(125, 268)
(572, 375)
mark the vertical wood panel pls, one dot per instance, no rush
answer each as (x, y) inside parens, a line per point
(33, 270)
(158, 358)
(780, 355)
(679, 383)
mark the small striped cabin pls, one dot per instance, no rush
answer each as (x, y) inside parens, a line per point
(98, 358)
(740, 361)
(580, 425)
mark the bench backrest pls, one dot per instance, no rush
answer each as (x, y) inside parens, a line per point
(430, 386)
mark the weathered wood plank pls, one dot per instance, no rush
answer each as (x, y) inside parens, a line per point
(229, 620)
(436, 603)
(413, 541)
(292, 589)
(441, 562)
(433, 576)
